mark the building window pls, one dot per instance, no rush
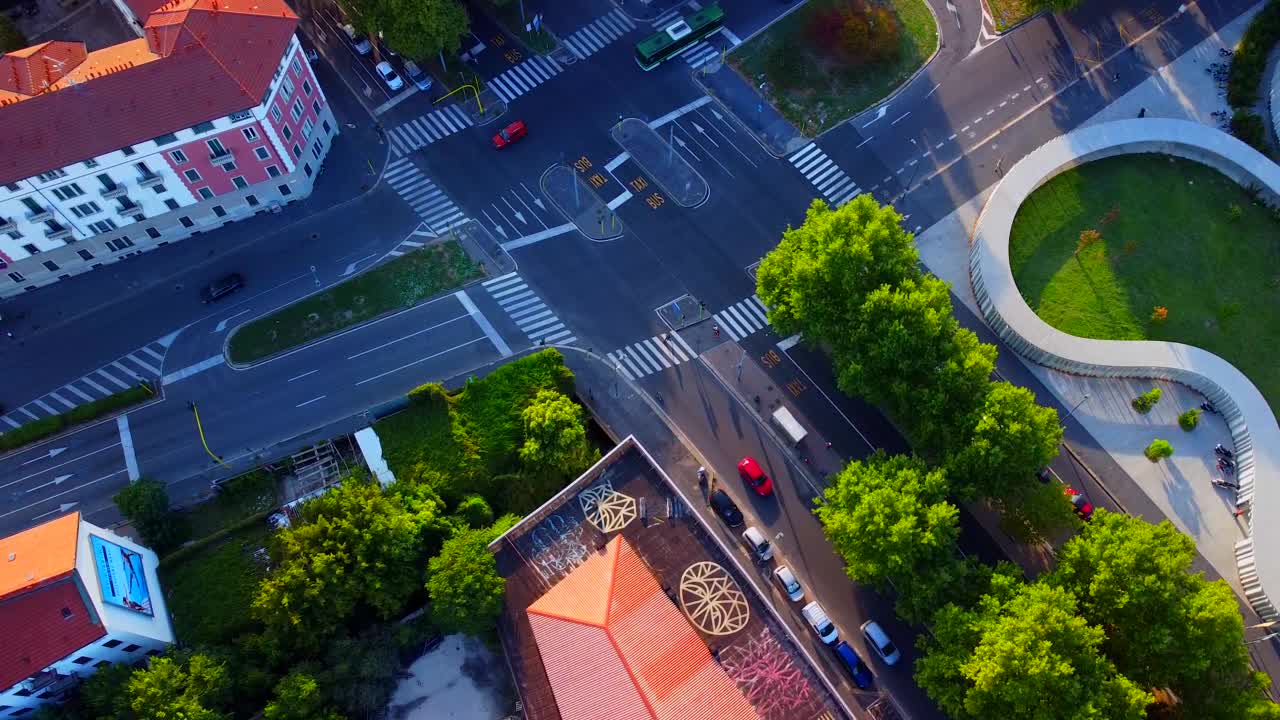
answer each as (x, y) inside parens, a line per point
(51, 175)
(107, 182)
(17, 277)
(250, 134)
(262, 152)
(306, 87)
(193, 175)
(116, 246)
(68, 191)
(132, 648)
(178, 156)
(288, 133)
(202, 128)
(13, 235)
(325, 124)
(228, 165)
(159, 189)
(165, 139)
(171, 203)
(205, 193)
(273, 171)
(91, 164)
(128, 150)
(252, 200)
(239, 182)
(216, 148)
(284, 190)
(275, 113)
(83, 659)
(315, 105)
(219, 211)
(296, 66)
(307, 127)
(153, 233)
(186, 221)
(86, 255)
(153, 652)
(86, 209)
(238, 116)
(295, 112)
(13, 187)
(31, 249)
(306, 168)
(316, 149)
(297, 151)
(104, 226)
(286, 88)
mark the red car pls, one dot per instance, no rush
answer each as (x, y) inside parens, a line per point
(510, 134)
(1083, 507)
(750, 471)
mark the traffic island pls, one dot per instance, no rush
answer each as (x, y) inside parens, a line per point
(658, 158)
(487, 108)
(571, 194)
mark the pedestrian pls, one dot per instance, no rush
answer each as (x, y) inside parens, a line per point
(715, 330)
(1142, 112)
(8, 334)
(666, 338)
(828, 444)
(1117, 77)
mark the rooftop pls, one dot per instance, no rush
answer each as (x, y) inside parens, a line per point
(43, 626)
(38, 555)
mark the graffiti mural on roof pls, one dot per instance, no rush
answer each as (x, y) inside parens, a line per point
(766, 673)
(712, 600)
(606, 508)
(556, 546)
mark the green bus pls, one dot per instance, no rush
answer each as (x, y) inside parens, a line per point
(677, 36)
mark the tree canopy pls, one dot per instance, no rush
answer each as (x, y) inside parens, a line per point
(416, 28)
(299, 697)
(1010, 438)
(554, 435)
(178, 687)
(464, 585)
(145, 502)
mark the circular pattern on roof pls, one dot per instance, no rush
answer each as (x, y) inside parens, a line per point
(606, 508)
(711, 599)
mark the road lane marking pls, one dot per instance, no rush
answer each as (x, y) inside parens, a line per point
(680, 111)
(484, 323)
(126, 444)
(58, 495)
(299, 377)
(77, 391)
(538, 236)
(196, 369)
(614, 163)
(308, 402)
(222, 324)
(901, 118)
(54, 467)
(416, 362)
(405, 337)
(614, 203)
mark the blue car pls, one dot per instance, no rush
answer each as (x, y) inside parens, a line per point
(858, 670)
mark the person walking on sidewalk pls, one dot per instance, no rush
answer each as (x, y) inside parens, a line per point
(715, 330)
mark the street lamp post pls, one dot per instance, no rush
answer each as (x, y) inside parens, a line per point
(1076, 407)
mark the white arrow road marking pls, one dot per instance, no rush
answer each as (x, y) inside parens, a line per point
(64, 492)
(352, 266)
(879, 114)
(517, 213)
(64, 507)
(698, 127)
(683, 146)
(501, 230)
(55, 467)
(56, 481)
(222, 324)
(55, 452)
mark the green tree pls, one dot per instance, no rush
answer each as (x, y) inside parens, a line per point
(1167, 627)
(554, 435)
(298, 697)
(186, 688)
(424, 28)
(353, 547)
(887, 517)
(816, 279)
(360, 673)
(937, 416)
(1028, 656)
(474, 512)
(1011, 438)
(464, 585)
(145, 503)
(1051, 5)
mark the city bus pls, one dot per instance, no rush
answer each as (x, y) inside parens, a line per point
(677, 36)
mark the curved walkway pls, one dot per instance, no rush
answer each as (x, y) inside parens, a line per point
(1249, 417)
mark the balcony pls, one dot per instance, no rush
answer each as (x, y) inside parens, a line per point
(113, 192)
(149, 179)
(61, 233)
(7, 225)
(52, 682)
(41, 216)
(221, 157)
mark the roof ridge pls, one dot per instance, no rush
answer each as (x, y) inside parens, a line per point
(618, 541)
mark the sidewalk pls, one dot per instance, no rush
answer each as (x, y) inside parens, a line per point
(740, 98)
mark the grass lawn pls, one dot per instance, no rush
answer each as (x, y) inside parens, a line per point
(240, 498)
(1168, 239)
(816, 92)
(508, 16)
(210, 592)
(400, 283)
(1007, 13)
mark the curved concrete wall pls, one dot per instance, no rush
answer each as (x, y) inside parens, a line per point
(1273, 100)
(1249, 417)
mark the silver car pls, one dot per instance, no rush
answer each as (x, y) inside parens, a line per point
(389, 76)
(789, 584)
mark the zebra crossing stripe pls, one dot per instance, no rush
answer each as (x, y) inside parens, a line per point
(803, 154)
(61, 399)
(665, 347)
(113, 380)
(143, 365)
(153, 353)
(89, 381)
(533, 326)
(499, 294)
(28, 413)
(730, 326)
(757, 309)
(688, 350)
(743, 319)
(500, 280)
(617, 364)
(820, 178)
(662, 363)
(630, 362)
(643, 360)
(44, 406)
(77, 391)
(531, 314)
(11, 421)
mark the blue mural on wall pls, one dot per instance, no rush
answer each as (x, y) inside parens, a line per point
(121, 576)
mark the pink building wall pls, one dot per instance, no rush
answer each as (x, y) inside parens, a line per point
(242, 150)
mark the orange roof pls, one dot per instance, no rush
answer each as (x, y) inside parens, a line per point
(615, 646)
(39, 555)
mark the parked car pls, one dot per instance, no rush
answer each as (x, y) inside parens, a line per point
(389, 76)
(821, 624)
(726, 509)
(788, 582)
(858, 670)
(759, 546)
(879, 641)
(221, 287)
(510, 134)
(1044, 475)
(1083, 507)
(754, 476)
(417, 76)
(384, 48)
(359, 42)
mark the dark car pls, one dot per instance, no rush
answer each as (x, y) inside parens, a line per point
(221, 287)
(1083, 507)
(1044, 475)
(754, 476)
(858, 670)
(725, 508)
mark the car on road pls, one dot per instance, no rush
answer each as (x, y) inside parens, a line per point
(755, 541)
(359, 42)
(821, 624)
(788, 582)
(879, 641)
(221, 287)
(858, 670)
(1044, 474)
(1083, 507)
(726, 508)
(389, 76)
(510, 134)
(754, 476)
(417, 76)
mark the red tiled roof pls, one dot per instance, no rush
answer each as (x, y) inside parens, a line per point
(615, 646)
(199, 60)
(36, 633)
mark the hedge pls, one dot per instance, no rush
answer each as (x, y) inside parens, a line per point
(1244, 80)
(54, 424)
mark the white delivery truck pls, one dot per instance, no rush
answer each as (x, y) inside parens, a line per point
(785, 421)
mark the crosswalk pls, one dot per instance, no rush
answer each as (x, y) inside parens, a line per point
(652, 355)
(825, 175)
(697, 54)
(524, 77)
(537, 321)
(589, 40)
(142, 364)
(426, 199)
(743, 318)
(426, 129)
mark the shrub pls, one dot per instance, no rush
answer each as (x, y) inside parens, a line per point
(1087, 238)
(1147, 400)
(1158, 449)
(1234, 212)
(32, 431)
(475, 512)
(54, 424)
(1130, 247)
(1159, 313)
(1250, 61)
(786, 63)
(1249, 128)
(1189, 419)
(145, 502)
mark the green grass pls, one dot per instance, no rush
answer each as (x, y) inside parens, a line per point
(400, 283)
(1007, 13)
(815, 92)
(210, 593)
(240, 498)
(54, 424)
(508, 16)
(1172, 243)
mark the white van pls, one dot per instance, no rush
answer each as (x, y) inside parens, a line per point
(821, 624)
(785, 421)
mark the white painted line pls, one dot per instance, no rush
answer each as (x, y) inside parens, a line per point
(500, 280)
(415, 333)
(12, 422)
(61, 399)
(680, 111)
(222, 324)
(299, 377)
(153, 353)
(614, 163)
(952, 137)
(83, 395)
(864, 142)
(419, 361)
(484, 323)
(126, 445)
(538, 236)
(144, 365)
(44, 406)
(732, 38)
(89, 381)
(786, 344)
(58, 495)
(616, 202)
(308, 402)
(901, 118)
(196, 369)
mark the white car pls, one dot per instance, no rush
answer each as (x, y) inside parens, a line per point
(757, 544)
(389, 76)
(358, 42)
(789, 584)
(821, 624)
(879, 640)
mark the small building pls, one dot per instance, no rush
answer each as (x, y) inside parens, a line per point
(73, 597)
